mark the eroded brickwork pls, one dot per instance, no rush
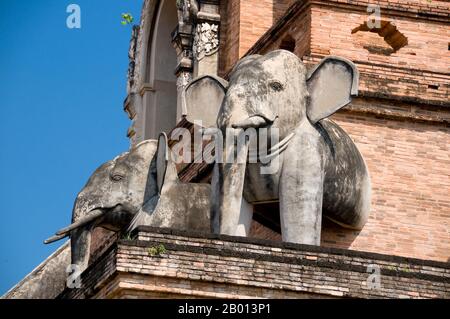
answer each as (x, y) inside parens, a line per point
(420, 69)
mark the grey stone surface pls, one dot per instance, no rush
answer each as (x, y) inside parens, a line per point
(139, 187)
(47, 280)
(321, 171)
(203, 98)
(331, 84)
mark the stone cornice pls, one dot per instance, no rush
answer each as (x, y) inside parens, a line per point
(146, 87)
(206, 260)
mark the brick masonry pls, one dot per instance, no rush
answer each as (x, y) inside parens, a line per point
(200, 265)
(417, 72)
(409, 167)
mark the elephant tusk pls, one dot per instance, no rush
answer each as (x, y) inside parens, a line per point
(96, 213)
(274, 150)
(55, 238)
(279, 148)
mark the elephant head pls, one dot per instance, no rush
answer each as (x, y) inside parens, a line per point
(277, 90)
(134, 189)
(320, 171)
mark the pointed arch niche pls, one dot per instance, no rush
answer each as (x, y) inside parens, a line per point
(159, 91)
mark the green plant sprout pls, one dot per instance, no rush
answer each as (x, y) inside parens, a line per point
(127, 18)
(126, 236)
(157, 250)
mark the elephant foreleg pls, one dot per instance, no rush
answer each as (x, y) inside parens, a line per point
(301, 191)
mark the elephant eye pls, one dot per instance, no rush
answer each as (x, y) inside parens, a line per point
(117, 177)
(276, 86)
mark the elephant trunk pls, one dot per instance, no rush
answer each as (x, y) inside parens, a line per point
(255, 121)
(227, 189)
(81, 232)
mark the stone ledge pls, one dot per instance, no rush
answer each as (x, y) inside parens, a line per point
(142, 230)
(205, 265)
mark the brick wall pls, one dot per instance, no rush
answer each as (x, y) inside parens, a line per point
(280, 7)
(248, 20)
(243, 23)
(255, 19)
(229, 34)
(200, 265)
(299, 31)
(420, 69)
(409, 164)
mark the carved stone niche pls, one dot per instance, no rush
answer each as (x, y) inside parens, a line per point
(203, 98)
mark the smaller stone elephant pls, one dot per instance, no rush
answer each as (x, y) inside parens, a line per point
(139, 187)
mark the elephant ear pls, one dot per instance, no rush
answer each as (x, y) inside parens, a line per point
(331, 85)
(166, 172)
(203, 98)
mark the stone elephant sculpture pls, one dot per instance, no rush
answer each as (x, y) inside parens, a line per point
(321, 171)
(139, 187)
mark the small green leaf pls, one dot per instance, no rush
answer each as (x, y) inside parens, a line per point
(127, 18)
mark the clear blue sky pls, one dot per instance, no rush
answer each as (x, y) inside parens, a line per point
(61, 94)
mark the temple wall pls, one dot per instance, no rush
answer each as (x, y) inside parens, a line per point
(409, 164)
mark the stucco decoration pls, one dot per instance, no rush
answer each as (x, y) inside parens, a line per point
(187, 11)
(206, 40)
(132, 56)
(183, 80)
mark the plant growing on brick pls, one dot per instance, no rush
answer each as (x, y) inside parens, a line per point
(157, 250)
(126, 236)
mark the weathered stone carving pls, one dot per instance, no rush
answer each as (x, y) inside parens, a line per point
(132, 55)
(183, 80)
(139, 187)
(206, 40)
(320, 169)
(187, 11)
